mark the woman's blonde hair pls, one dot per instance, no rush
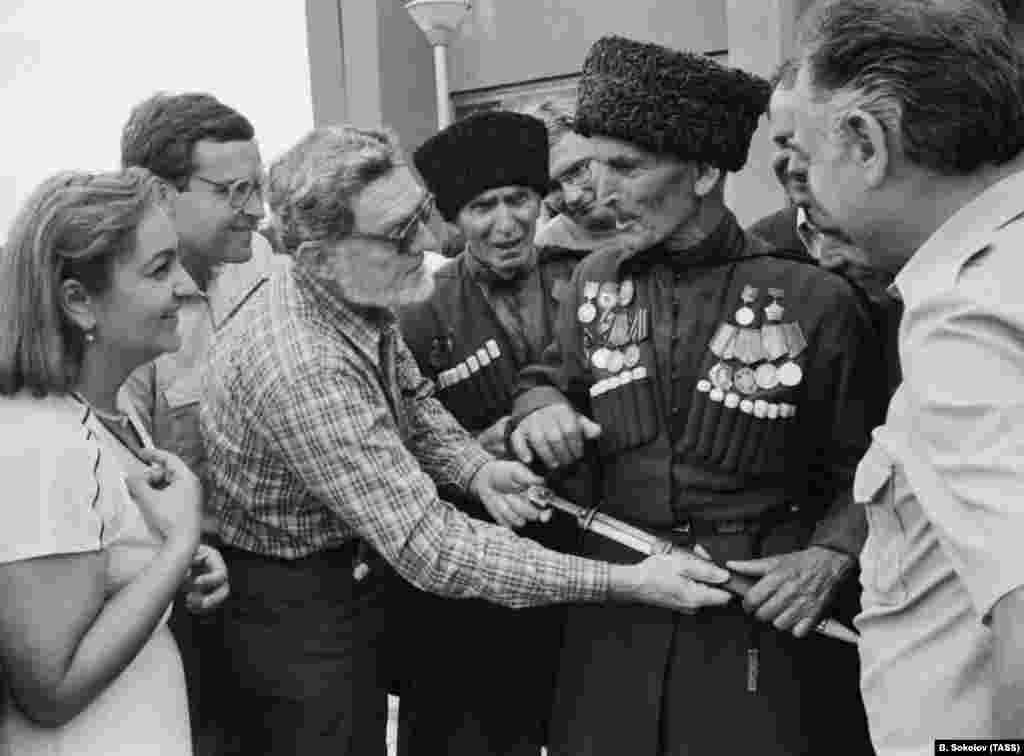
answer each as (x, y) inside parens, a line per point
(73, 226)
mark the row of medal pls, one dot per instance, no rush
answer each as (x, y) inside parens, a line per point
(619, 331)
(767, 344)
(470, 366)
(759, 408)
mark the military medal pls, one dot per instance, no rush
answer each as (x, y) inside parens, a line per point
(790, 374)
(615, 361)
(619, 335)
(722, 342)
(745, 315)
(774, 311)
(745, 381)
(638, 325)
(607, 296)
(721, 376)
(767, 376)
(600, 358)
(631, 355)
(773, 334)
(586, 312)
(626, 291)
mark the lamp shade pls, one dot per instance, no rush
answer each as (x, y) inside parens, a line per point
(438, 19)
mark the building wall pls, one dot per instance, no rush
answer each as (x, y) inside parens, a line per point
(385, 73)
(408, 98)
(507, 41)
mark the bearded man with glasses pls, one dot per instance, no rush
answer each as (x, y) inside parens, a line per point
(207, 151)
(327, 450)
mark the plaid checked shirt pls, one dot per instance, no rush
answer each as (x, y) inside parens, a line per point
(319, 428)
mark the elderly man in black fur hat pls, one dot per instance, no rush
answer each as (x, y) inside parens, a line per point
(486, 686)
(726, 382)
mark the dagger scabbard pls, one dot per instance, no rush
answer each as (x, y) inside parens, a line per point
(641, 541)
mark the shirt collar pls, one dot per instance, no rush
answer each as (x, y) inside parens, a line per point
(936, 263)
(233, 283)
(808, 233)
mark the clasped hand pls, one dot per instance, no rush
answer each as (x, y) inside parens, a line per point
(795, 588)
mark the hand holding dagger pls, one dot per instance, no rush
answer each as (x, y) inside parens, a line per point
(647, 543)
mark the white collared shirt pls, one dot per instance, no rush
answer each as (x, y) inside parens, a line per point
(943, 481)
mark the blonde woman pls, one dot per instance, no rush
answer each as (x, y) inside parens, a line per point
(99, 530)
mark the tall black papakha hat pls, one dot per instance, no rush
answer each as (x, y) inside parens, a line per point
(668, 101)
(482, 152)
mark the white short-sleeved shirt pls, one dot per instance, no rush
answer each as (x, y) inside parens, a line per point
(51, 465)
(63, 475)
(944, 482)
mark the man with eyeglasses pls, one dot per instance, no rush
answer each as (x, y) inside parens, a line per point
(326, 451)
(493, 311)
(208, 151)
(580, 222)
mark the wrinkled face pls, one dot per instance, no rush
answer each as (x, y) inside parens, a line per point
(569, 165)
(374, 269)
(793, 179)
(499, 225)
(782, 122)
(835, 179)
(213, 232)
(649, 195)
(136, 317)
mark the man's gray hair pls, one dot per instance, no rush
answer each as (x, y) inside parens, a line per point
(943, 75)
(310, 187)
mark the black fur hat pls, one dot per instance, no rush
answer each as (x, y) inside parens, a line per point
(482, 152)
(671, 102)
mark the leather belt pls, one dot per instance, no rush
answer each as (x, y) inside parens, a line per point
(701, 527)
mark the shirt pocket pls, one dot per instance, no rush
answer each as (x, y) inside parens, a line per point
(180, 425)
(882, 558)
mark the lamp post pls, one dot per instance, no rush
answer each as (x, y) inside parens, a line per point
(438, 20)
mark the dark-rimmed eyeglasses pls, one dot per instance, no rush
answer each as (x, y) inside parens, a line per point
(238, 192)
(577, 176)
(403, 235)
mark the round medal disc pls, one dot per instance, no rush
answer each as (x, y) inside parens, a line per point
(721, 376)
(767, 376)
(631, 355)
(586, 312)
(790, 374)
(608, 295)
(744, 316)
(615, 361)
(745, 380)
(600, 358)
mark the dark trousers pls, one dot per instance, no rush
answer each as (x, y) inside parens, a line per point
(301, 641)
(199, 640)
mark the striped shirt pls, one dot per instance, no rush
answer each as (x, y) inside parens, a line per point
(319, 428)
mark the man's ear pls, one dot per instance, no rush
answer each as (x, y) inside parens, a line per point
(865, 135)
(707, 179)
(77, 304)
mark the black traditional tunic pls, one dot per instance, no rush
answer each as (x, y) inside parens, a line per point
(483, 677)
(735, 396)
